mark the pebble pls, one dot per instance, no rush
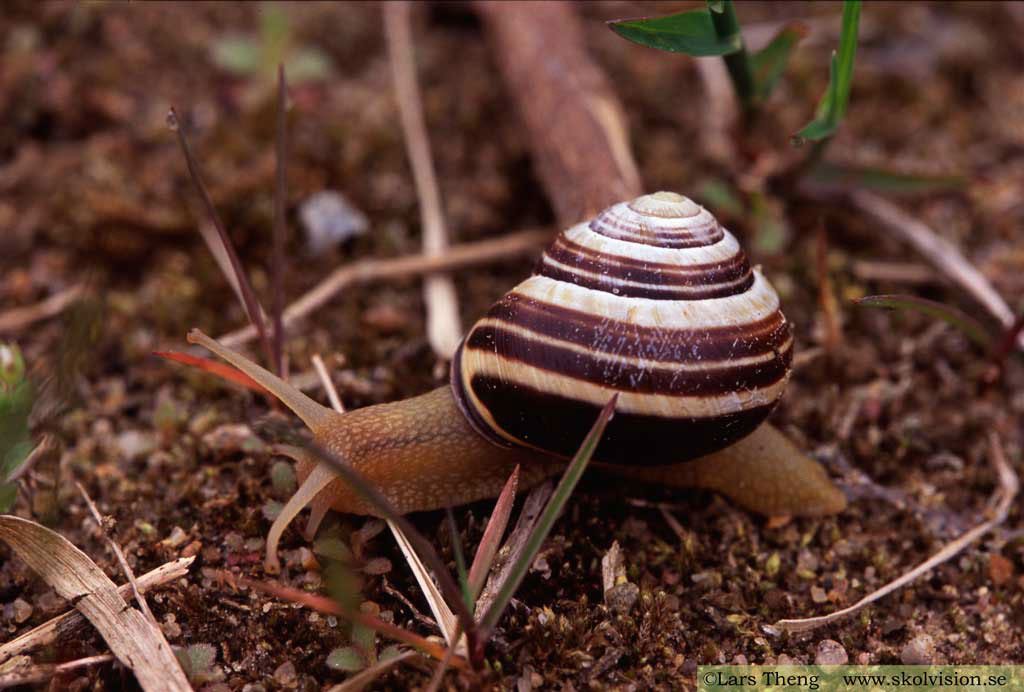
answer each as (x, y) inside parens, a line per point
(830, 653)
(328, 219)
(21, 610)
(286, 675)
(919, 651)
(135, 444)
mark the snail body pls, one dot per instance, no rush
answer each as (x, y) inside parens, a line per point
(652, 300)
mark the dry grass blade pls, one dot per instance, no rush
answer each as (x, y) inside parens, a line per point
(491, 539)
(446, 620)
(325, 379)
(138, 644)
(18, 318)
(46, 672)
(66, 624)
(277, 268)
(365, 677)
(1002, 501)
(365, 271)
(249, 302)
(939, 251)
(330, 607)
(444, 329)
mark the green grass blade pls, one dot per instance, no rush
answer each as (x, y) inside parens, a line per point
(881, 180)
(970, 327)
(460, 560)
(833, 104)
(547, 518)
(691, 33)
(770, 62)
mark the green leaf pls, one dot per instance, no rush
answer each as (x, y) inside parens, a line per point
(832, 106)
(238, 54)
(547, 518)
(841, 175)
(770, 62)
(346, 658)
(8, 494)
(970, 327)
(308, 65)
(692, 33)
(333, 548)
(721, 196)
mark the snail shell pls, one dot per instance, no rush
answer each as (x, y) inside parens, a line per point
(652, 299)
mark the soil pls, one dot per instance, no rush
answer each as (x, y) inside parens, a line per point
(95, 193)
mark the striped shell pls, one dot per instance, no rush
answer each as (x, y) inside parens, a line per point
(654, 300)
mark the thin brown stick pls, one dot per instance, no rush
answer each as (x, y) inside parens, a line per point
(65, 624)
(136, 591)
(43, 673)
(938, 251)
(18, 318)
(444, 330)
(277, 267)
(1002, 501)
(251, 304)
(365, 271)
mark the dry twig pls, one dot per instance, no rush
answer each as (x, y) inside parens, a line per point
(365, 271)
(43, 673)
(1001, 502)
(67, 623)
(444, 330)
(19, 318)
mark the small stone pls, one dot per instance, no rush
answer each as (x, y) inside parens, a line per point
(385, 319)
(919, 651)
(830, 653)
(21, 610)
(135, 444)
(177, 537)
(233, 438)
(285, 675)
(818, 594)
(328, 219)
(170, 627)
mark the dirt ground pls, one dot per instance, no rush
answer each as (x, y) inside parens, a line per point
(94, 193)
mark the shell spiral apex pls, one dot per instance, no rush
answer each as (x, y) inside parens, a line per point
(652, 299)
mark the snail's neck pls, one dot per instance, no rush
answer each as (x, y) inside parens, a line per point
(421, 453)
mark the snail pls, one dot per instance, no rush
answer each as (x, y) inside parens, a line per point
(654, 300)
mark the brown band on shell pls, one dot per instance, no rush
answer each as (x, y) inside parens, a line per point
(620, 374)
(635, 341)
(558, 425)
